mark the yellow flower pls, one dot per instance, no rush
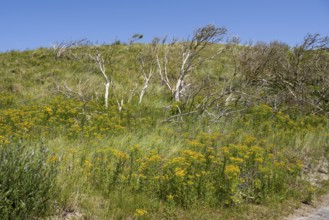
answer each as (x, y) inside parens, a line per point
(87, 163)
(48, 110)
(225, 150)
(140, 212)
(180, 172)
(193, 155)
(259, 160)
(177, 160)
(170, 197)
(120, 154)
(52, 159)
(249, 139)
(256, 150)
(154, 158)
(232, 171)
(236, 160)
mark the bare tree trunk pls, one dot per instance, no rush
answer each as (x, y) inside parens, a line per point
(179, 86)
(146, 84)
(148, 63)
(185, 68)
(146, 78)
(191, 57)
(119, 103)
(163, 71)
(106, 96)
(101, 64)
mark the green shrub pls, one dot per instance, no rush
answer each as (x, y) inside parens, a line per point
(27, 182)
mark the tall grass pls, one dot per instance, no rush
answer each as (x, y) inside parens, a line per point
(136, 164)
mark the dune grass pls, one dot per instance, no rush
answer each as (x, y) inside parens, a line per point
(135, 163)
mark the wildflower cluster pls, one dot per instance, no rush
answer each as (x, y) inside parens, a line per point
(204, 171)
(73, 118)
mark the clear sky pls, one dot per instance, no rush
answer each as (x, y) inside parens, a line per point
(29, 24)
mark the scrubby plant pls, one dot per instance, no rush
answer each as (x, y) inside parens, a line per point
(27, 181)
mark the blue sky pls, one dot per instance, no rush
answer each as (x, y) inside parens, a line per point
(29, 24)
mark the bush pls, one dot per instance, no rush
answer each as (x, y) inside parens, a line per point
(27, 182)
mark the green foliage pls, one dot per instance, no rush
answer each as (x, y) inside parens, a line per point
(6, 99)
(202, 172)
(27, 182)
(157, 158)
(248, 162)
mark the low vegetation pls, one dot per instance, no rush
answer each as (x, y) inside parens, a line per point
(188, 129)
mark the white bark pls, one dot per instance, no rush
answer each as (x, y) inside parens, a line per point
(146, 84)
(185, 68)
(163, 71)
(101, 65)
(146, 76)
(150, 63)
(191, 57)
(106, 96)
(178, 90)
(109, 83)
(119, 103)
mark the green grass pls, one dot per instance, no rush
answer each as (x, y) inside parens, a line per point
(108, 164)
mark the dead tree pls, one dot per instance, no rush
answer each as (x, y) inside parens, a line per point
(147, 64)
(108, 80)
(284, 77)
(67, 47)
(102, 59)
(190, 56)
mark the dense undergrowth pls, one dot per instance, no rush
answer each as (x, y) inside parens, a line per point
(248, 159)
(61, 150)
(28, 182)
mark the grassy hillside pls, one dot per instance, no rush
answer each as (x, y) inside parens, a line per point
(234, 145)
